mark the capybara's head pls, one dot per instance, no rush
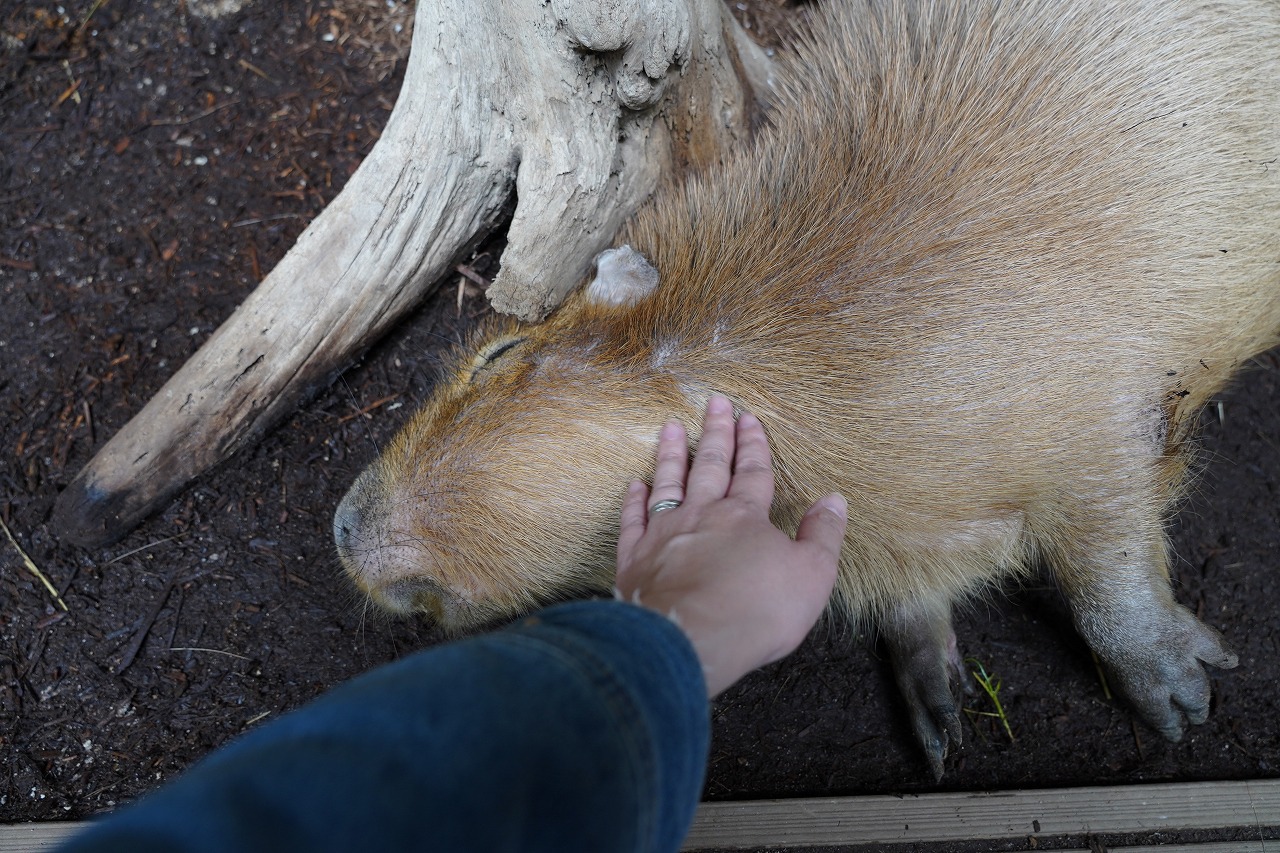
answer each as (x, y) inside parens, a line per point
(503, 492)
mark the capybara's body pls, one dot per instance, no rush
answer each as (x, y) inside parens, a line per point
(980, 275)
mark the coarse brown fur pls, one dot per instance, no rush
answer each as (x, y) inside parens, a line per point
(980, 274)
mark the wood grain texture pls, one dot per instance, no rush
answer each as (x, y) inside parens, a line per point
(997, 815)
(937, 818)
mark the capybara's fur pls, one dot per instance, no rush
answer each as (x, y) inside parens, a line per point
(980, 274)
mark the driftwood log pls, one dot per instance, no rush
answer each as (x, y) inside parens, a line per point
(577, 107)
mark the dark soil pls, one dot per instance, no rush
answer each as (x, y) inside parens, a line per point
(153, 165)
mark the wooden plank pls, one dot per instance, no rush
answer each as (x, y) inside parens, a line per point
(943, 817)
(985, 816)
(1210, 847)
(36, 837)
(40, 837)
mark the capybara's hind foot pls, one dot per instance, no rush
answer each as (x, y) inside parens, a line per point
(1158, 664)
(927, 667)
(1115, 576)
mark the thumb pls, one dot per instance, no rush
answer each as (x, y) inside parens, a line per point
(824, 524)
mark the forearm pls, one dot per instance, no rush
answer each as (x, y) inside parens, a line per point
(582, 727)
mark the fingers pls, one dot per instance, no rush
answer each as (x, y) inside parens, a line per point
(711, 472)
(752, 463)
(824, 524)
(672, 465)
(732, 459)
(747, 593)
(631, 525)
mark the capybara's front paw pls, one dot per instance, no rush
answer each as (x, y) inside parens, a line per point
(928, 684)
(927, 667)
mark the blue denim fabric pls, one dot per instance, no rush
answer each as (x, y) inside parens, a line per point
(582, 728)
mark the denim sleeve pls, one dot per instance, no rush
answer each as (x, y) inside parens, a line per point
(583, 727)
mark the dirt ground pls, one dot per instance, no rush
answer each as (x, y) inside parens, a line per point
(153, 166)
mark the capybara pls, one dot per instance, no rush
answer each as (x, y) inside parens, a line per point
(980, 273)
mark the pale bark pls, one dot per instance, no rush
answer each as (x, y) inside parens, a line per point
(578, 107)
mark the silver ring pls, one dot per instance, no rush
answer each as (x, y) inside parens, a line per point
(663, 506)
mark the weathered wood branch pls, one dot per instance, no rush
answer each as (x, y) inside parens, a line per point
(578, 108)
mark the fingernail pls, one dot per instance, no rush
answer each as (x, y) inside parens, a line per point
(746, 419)
(835, 504)
(671, 430)
(719, 404)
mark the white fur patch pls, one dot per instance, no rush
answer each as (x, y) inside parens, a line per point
(623, 277)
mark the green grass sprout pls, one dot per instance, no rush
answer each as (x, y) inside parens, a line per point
(991, 686)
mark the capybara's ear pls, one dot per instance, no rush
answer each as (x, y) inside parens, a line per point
(623, 277)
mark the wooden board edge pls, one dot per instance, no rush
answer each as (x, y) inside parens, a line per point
(925, 818)
(997, 815)
(37, 837)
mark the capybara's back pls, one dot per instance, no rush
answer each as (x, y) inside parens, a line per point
(980, 275)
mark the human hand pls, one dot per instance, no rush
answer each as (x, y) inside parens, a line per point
(743, 591)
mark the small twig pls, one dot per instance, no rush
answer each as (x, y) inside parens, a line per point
(71, 91)
(249, 66)
(1137, 738)
(243, 222)
(143, 548)
(84, 22)
(367, 409)
(254, 263)
(991, 687)
(1102, 675)
(469, 275)
(177, 122)
(88, 419)
(33, 568)
(255, 718)
(139, 637)
(468, 272)
(210, 651)
(177, 614)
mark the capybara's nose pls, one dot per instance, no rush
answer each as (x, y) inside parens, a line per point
(349, 522)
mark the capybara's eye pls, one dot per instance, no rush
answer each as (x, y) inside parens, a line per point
(490, 353)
